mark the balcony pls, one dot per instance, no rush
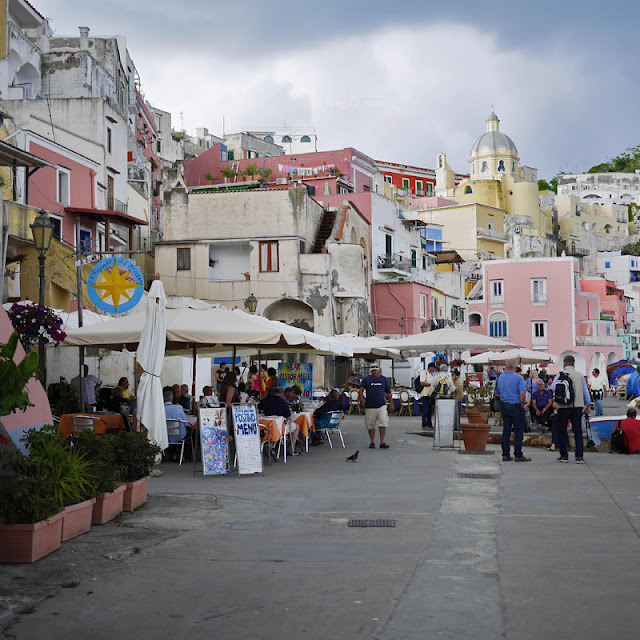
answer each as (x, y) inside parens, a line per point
(394, 263)
(491, 234)
(595, 341)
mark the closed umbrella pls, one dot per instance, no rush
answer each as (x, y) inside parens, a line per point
(150, 357)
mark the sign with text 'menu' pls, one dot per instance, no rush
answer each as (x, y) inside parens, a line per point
(247, 437)
(299, 374)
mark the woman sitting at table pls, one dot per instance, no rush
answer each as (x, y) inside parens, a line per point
(116, 403)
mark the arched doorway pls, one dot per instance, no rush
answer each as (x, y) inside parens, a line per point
(581, 365)
(612, 357)
(292, 312)
(597, 361)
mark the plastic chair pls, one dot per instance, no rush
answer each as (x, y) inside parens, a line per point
(173, 429)
(405, 403)
(334, 425)
(621, 391)
(354, 401)
(86, 423)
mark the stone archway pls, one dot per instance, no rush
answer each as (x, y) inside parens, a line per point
(581, 365)
(292, 312)
(612, 357)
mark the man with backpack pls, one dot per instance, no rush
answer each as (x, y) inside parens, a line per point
(512, 391)
(442, 385)
(424, 381)
(571, 395)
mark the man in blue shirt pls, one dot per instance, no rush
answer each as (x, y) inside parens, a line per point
(541, 405)
(174, 412)
(512, 391)
(572, 412)
(275, 404)
(378, 392)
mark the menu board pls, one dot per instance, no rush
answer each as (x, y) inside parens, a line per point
(298, 374)
(247, 438)
(214, 441)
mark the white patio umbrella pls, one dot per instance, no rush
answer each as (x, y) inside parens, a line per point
(447, 340)
(369, 348)
(150, 357)
(523, 356)
(482, 358)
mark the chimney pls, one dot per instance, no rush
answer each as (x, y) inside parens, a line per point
(84, 38)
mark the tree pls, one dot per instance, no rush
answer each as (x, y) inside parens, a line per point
(627, 162)
(632, 249)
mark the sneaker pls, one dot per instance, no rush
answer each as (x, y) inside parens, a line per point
(506, 458)
(384, 445)
(523, 459)
(579, 461)
(561, 459)
(372, 446)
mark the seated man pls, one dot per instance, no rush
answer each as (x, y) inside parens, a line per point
(275, 405)
(178, 398)
(175, 412)
(209, 399)
(541, 405)
(630, 426)
(321, 415)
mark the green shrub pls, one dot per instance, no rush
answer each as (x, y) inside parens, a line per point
(134, 455)
(98, 451)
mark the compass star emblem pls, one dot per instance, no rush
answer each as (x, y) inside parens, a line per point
(114, 285)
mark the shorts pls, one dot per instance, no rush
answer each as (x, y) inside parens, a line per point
(376, 418)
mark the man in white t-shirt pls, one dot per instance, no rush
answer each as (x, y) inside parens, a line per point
(426, 378)
(91, 383)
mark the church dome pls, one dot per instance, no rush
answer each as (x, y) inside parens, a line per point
(493, 142)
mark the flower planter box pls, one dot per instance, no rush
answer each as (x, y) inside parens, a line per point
(475, 436)
(30, 542)
(77, 519)
(108, 506)
(135, 493)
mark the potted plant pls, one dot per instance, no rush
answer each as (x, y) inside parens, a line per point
(475, 435)
(134, 456)
(266, 174)
(228, 173)
(247, 275)
(252, 171)
(209, 177)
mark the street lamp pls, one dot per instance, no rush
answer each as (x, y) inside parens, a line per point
(251, 303)
(424, 327)
(42, 230)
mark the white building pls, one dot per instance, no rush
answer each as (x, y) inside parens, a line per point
(601, 188)
(292, 141)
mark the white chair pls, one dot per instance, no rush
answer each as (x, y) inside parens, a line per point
(354, 401)
(173, 429)
(334, 425)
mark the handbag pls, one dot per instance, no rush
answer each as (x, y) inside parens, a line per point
(495, 404)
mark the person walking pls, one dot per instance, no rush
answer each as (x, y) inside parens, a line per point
(597, 386)
(570, 409)
(512, 391)
(378, 393)
(426, 379)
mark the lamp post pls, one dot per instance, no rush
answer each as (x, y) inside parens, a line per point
(424, 327)
(251, 303)
(42, 230)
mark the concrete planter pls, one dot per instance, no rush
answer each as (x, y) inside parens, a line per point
(108, 505)
(135, 493)
(475, 436)
(77, 519)
(30, 542)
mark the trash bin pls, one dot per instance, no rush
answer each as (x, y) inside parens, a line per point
(445, 414)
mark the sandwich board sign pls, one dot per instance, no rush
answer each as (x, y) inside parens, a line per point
(247, 438)
(214, 442)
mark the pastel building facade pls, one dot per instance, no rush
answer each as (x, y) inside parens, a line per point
(601, 188)
(538, 303)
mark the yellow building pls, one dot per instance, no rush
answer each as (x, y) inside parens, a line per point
(496, 180)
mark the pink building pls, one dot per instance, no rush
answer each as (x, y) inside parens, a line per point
(538, 303)
(612, 299)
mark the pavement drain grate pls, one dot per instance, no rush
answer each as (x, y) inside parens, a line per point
(372, 523)
(483, 476)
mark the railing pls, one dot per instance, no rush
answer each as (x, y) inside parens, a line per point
(492, 233)
(593, 341)
(539, 342)
(394, 261)
(113, 204)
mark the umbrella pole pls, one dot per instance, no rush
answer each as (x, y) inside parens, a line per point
(195, 366)
(235, 350)
(259, 374)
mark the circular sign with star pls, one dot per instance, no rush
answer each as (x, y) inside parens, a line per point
(115, 285)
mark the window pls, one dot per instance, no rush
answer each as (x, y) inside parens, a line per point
(475, 320)
(414, 258)
(498, 326)
(405, 183)
(539, 290)
(286, 139)
(485, 167)
(418, 185)
(305, 139)
(388, 179)
(429, 188)
(57, 226)
(539, 333)
(468, 190)
(63, 185)
(388, 244)
(501, 165)
(423, 305)
(268, 138)
(184, 259)
(159, 147)
(108, 140)
(496, 289)
(424, 262)
(490, 222)
(230, 155)
(269, 258)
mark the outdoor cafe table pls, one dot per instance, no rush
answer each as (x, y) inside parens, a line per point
(304, 419)
(108, 422)
(275, 426)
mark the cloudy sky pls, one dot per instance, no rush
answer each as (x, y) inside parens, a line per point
(400, 81)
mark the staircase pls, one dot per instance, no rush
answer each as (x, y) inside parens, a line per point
(324, 231)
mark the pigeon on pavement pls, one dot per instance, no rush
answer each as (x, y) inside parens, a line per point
(354, 457)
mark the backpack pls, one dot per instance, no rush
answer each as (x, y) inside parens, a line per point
(618, 441)
(440, 388)
(417, 384)
(564, 393)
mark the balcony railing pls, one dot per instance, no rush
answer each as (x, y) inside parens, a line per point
(492, 234)
(394, 261)
(594, 341)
